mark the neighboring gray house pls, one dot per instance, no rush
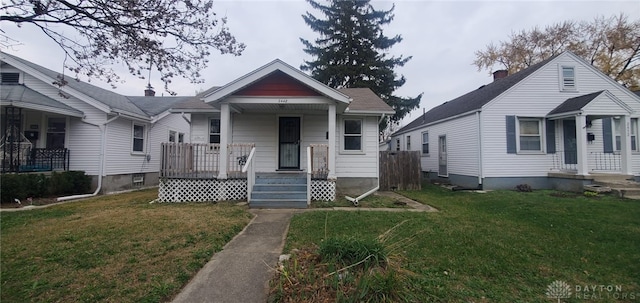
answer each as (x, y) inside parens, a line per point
(79, 126)
(557, 124)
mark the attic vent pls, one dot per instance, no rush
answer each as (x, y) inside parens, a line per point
(10, 78)
(138, 180)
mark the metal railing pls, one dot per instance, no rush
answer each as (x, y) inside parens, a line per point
(598, 161)
(37, 159)
(606, 161)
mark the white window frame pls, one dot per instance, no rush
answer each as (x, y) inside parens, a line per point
(617, 135)
(563, 83)
(213, 134)
(398, 144)
(540, 135)
(143, 138)
(408, 143)
(343, 135)
(174, 134)
(423, 143)
(180, 137)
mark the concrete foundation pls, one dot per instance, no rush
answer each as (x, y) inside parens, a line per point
(124, 182)
(355, 186)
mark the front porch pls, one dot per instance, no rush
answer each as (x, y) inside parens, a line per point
(192, 172)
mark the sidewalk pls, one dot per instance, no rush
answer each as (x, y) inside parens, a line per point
(242, 270)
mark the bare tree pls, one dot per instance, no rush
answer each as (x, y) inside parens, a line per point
(175, 37)
(610, 44)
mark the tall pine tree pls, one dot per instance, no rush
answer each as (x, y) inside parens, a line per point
(352, 52)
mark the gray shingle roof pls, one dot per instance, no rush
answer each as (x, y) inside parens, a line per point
(17, 93)
(156, 105)
(143, 106)
(364, 99)
(473, 100)
(575, 103)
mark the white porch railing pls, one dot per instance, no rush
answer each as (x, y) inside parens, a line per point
(202, 160)
(250, 171)
(189, 160)
(598, 161)
(606, 161)
(318, 161)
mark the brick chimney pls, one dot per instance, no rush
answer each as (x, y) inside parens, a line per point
(499, 74)
(149, 92)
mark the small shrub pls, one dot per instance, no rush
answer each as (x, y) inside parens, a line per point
(349, 250)
(590, 194)
(22, 186)
(524, 188)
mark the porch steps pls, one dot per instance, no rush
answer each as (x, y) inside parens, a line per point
(279, 190)
(622, 185)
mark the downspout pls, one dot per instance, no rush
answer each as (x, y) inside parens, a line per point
(356, 201)
(479, 150)
(103, 143)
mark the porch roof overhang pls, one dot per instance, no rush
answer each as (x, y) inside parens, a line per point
(220, 94)
(21, 96)
(601, 103)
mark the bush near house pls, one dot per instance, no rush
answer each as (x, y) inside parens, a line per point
(22, 186)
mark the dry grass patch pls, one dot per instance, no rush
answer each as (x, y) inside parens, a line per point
(114, 248)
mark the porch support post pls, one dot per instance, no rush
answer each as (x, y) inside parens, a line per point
(581, 145)
(224, 140)
(332, 141)
(625, 145)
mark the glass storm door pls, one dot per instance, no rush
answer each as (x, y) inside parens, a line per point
(289, 143)
(570, 143)
(442, 156)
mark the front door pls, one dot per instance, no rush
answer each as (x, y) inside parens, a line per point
(289, 143)
(442, 156)
(570, 143)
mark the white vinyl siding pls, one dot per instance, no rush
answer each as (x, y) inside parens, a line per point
(362, 164)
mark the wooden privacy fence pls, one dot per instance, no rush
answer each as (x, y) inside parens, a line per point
(400, 170)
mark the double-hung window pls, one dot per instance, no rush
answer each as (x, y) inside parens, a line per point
(138, 138)
(214, 130)
(530, 134)
(172, 136)
(425, 143)
(633, 134)
(352, 133)
(408, 142)
(568, 78)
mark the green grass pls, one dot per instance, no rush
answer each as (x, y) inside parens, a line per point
(116, 248)
(502, 246)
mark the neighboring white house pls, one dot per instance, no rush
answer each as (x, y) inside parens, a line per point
(279, 121)
(556, 124)
(79, 126)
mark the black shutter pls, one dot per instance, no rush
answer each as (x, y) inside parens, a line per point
(551, 136)
(607, 135)
(511, 134)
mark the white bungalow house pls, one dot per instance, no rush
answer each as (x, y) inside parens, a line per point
(557, 124)
(78, 126)
(276, 137)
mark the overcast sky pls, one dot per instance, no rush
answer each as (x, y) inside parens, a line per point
(442, 37)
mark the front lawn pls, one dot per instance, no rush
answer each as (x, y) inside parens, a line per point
(116, 248)
(502, 246)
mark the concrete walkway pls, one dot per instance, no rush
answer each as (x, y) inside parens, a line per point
(242, 270)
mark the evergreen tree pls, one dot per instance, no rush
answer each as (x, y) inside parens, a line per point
(352, 52)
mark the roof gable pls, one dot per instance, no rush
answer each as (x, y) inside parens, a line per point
(277, 84)
(254, 78)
